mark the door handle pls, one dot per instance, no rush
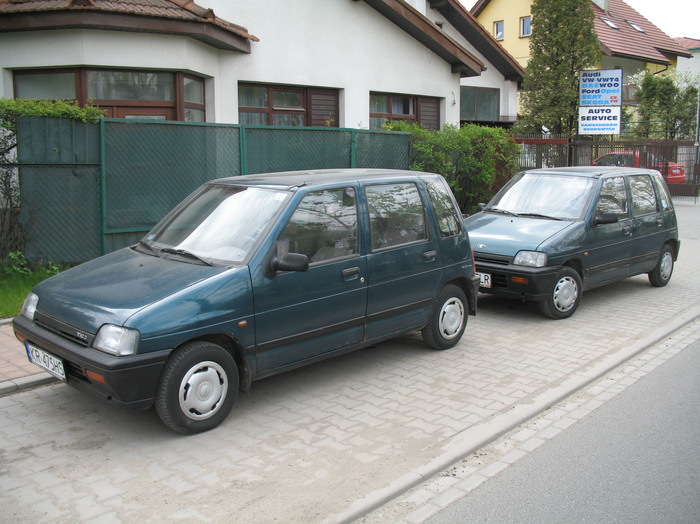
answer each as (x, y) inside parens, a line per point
(351, 273)
(429, 256)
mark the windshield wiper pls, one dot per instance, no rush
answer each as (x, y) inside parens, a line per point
(538, 215)
(501, 211)
(186, 254)
(146, 247)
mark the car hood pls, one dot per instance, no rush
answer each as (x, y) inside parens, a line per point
(506, 235)
(111, 288)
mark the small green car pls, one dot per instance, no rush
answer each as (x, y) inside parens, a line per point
(550, 234)
(251, 276)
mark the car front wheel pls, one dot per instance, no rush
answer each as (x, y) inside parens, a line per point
(565, 295)
(448, 318)
(661, 274)
(198, 388)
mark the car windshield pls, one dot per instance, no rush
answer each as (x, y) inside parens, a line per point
(218, 225)
(561, 197)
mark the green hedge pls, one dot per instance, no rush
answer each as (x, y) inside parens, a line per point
(475, 160)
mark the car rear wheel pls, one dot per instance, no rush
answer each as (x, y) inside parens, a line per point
(198, 388)
(564, 296)
(661, 274)
(448, 318)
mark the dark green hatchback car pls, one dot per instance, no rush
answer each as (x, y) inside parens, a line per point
(550, 234)
(251, 276)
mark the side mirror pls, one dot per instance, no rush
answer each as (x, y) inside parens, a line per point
(290, 262)
(607, 218)
(481, 206)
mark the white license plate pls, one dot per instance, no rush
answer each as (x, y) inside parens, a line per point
(46, 361)
(484, 279)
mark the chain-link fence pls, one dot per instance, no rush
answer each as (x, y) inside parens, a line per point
(662, 155)
(88, 189)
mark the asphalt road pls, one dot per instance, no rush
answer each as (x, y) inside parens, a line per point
(634, 459)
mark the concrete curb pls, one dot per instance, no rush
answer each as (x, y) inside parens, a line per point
(467, 442)
(22, 383)
(27, 382)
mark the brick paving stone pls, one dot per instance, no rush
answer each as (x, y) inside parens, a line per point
(329, 440)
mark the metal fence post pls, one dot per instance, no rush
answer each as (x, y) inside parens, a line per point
(353, 148)
(102, 188)
(243, 151)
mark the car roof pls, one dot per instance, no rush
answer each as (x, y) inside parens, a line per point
(590, 171)
(317, 177)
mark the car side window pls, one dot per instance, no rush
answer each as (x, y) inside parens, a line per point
(396, 214)
(612, 198)
(643, 195)
(664, 196)
(447, 216)
(323, 227)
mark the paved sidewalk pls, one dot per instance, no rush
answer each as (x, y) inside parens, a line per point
(333, 441)
(16, 372)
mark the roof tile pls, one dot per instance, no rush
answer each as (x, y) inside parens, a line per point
(651, 44)
(186, 10)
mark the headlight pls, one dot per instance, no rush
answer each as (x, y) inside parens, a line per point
(116, 340)
(530, 259)
(29, 307)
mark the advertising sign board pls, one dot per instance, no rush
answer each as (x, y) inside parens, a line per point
(599, 120)
(600, 101)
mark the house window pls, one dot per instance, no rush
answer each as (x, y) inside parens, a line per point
(384, 107)
(46, 86)
(271, 105)
(278, 105)
(479, 104)
(525, 27)
(193, 98)
(635, 26)
(134, 94)
(498, 30)
(130, 85)
(609, 22)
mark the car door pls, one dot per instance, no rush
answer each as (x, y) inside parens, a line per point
(404, 265)
(649, 230)
(609, 246)
(304, 314)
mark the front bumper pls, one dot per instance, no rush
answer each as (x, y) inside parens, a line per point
(520, 282)
(130, 381)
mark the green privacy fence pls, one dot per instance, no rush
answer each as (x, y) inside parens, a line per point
(88, 189)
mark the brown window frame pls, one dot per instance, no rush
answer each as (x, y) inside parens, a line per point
(391, 117)
(271, 109)
(174, 107)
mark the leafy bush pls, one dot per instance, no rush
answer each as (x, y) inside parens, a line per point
(475, 160)
(10, 109)
(17, 278)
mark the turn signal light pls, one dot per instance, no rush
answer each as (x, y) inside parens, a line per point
(20, 338)
(519, 280)
(95, 376)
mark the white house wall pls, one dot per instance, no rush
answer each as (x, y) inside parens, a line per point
(341, 44)
(71, 48)
(333, 43)
(490, 78)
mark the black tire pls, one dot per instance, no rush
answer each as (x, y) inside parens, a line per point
(198, 388)
(565, 295)
(448, 318)
(661, 274)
